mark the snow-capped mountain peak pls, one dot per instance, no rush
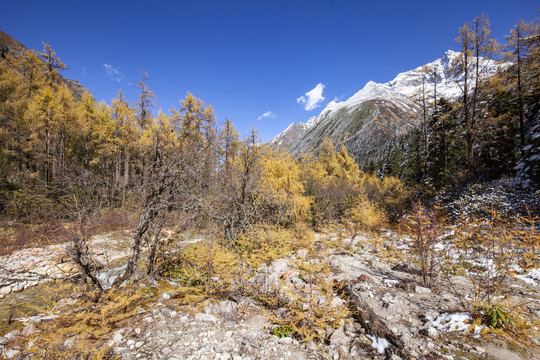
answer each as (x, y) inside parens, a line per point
(443, 75)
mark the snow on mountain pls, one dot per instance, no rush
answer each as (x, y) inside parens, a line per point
(287, 137)
(442, 72)
(399, 95)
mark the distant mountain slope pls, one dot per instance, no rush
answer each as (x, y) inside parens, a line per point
(367, 120)
(9, 45)
(378, 113)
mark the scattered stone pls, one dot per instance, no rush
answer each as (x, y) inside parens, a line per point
(311, 345)
(339, 338)
(337, 302)
(302, 253)
(279, 267)
(11, 353)
(3, 340)
(165, 296)
(286, 341)
(257, 322)
(226, 346)
(67, 268)
(246, 301)
(480, 350)
(70, 343)
(431, 315)
(227, 309)
(5, 290)
(432, 332)
(168, 312)
(117, 338)
(422, 290)
(12, 334)
(205, 318)
(280, 313)
(29, 329)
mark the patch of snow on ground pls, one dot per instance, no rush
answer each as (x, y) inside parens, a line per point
(453, 322)
(378, 343)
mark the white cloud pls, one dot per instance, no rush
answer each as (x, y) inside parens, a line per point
(113, 73)
(268, 114)
(313, 98)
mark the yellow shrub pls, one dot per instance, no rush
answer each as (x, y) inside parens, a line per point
(280, 178)
(205, 263)
(364, 216)
(265, 244)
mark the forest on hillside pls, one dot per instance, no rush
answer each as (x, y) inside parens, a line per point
(57, 145)
(490, 132)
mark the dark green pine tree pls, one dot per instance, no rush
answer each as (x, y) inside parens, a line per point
(447, 158)
(498, 140)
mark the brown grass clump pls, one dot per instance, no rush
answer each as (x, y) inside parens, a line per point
(112, 220)
(21, 236)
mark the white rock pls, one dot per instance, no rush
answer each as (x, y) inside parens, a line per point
(12, 334)
(302, 253)
(339, 338)
(227, 309)
(337, 302)
(481, 350)
(5, 290)
(117, 337)
(422, 290)
(432, 332)
(279, 267)
(205, 317)
(11, 353)
(165, 296)
(258, 322)
(286, 341)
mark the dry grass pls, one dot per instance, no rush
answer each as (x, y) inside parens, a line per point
(82, 331)
(19, 236)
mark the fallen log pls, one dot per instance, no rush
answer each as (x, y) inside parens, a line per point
(371, 322)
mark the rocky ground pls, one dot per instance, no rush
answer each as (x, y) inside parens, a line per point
(428, 323)
(26, 268)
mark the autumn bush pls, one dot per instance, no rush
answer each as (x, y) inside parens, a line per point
(423, 227)
(489, 253)
(207, 264)
(363, 216)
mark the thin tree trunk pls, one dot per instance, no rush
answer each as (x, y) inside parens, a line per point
(153, 248)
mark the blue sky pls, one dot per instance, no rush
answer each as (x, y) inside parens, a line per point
(253, 61)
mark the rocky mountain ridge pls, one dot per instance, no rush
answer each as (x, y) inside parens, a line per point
(378, 113)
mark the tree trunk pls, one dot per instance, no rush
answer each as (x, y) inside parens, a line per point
(153, 248)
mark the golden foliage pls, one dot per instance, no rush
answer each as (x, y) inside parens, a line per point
(206, 263)
(264, 244)
(363, 216)
(281, 177)
(89, 326)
